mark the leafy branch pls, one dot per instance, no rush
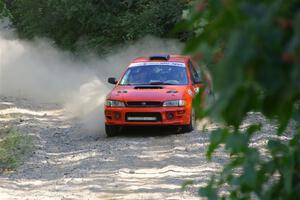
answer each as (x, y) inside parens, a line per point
(253, 52)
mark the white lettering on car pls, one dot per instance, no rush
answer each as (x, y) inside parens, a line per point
(177, 64)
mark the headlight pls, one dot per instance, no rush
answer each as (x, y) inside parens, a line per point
(174, 103)
(112, 103)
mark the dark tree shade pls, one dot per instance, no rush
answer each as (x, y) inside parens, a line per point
(94, 24)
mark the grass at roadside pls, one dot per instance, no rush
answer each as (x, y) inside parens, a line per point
(14, 147)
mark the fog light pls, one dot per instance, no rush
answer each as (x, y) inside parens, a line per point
(170, 115)
(117, 115)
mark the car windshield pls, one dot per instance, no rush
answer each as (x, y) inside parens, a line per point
(155, 75)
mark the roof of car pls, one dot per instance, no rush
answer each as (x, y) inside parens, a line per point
(172, 58)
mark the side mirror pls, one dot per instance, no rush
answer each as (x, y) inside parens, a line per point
(112, 80)
(198, 81)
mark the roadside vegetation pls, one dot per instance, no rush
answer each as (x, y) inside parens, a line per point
(14, 147)
(253, 52)
(96, 26)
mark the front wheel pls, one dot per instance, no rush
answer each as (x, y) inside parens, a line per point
(191, 126)
(112, 130)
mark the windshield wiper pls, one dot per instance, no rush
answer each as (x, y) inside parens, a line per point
(126, 84)
(156, 83)
(169, 84)
(160, 83)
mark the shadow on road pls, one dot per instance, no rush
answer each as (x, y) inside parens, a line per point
(148, 131)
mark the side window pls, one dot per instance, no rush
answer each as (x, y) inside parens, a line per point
(194, 74)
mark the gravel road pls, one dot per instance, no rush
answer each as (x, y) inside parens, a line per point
(70, 163)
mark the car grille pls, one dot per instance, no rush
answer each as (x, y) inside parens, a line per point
(144, 104)
(143, 117)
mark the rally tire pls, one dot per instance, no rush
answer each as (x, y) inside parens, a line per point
(191, 126)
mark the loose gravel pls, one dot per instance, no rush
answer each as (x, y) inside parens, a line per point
(71, 163)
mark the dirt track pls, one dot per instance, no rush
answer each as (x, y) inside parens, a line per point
(69, 163)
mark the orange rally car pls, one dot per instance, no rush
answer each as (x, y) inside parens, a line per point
(155, 90)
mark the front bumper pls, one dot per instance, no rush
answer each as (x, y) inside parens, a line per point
(121, 116)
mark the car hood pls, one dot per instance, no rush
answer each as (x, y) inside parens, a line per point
(147, 93)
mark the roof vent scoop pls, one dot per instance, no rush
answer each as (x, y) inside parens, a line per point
(160, 57)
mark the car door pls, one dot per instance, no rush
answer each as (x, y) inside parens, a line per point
(201, 82)
(197, 83)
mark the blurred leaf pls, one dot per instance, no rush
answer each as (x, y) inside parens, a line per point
(237, 143)
(216, 138)
(252, 50)
(253, 128)
(186, 184)
(209, 191)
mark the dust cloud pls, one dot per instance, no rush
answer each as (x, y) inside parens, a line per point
(38, 71)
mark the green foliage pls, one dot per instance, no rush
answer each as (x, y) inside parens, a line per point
(4, 12)
(98, 25)
(252, 49)
(13, 148)
(186, 184)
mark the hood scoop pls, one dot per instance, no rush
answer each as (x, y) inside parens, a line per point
(147, 87)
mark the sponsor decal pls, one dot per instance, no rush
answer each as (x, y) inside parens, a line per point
(177, 64)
